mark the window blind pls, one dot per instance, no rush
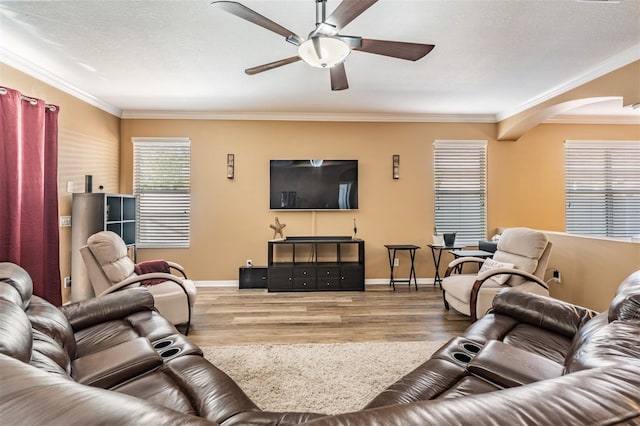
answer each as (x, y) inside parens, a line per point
(460, 179)
(162, 185)
(602, 188)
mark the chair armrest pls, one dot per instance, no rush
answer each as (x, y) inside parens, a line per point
(108, 307)
(177, 267)
(139, 278)
(154, 275)
(116, 364)
(542, 311)
(453, 265)
(483, 277)
(511, 271)
(508, 366)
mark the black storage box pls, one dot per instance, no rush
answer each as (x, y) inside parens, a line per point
(253, 277)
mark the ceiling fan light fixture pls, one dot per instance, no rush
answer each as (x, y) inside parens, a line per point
(333, 51)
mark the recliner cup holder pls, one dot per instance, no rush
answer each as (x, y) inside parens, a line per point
(461, 357)
(471, 347)
(170, 352)
(163, 344)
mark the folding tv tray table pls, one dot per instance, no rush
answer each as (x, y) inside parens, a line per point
(391, 251)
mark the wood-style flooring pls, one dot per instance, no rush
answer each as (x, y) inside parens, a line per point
(230, 316)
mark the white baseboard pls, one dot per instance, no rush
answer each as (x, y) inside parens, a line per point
(230, 283)
(234, 283)
(385, 281)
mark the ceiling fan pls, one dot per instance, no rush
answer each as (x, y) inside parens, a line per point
(324, 47)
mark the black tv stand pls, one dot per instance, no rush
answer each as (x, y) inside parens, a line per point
(316, 263)
(320, 238)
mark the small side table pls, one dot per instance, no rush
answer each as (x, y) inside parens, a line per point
(436, 258)
(391, 251)
(470, 253)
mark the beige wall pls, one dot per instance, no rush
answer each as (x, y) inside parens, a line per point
(527, 189)
(88, 143)
(230, 218)
(592, 268)
(527, 177)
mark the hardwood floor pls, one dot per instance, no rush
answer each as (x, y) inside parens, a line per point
(229, 316)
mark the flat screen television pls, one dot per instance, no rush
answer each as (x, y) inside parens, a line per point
(313, 184)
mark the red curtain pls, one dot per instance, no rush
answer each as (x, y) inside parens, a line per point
(29, 190)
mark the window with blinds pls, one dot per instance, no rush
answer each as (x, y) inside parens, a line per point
(460, 178)
(602, 188)
(162, 185)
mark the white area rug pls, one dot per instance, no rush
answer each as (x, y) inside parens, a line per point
(324, 378)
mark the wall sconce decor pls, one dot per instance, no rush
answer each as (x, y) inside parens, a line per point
(230, 166)
(396, 167)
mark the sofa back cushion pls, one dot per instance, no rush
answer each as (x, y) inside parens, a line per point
(612, 336)
(49, 356)
(625, 305)
(15, 331)
(16, 277)
(607, 344)
(51, 322)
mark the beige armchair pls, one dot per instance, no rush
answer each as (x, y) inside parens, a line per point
(110, 269)
(520, 262)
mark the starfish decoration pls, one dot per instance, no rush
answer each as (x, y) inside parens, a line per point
(277, 228)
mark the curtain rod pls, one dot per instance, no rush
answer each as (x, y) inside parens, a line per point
(32, 101)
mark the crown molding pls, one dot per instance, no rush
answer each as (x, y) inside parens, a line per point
(593, 119)
(310, 116)
(618, 61)
(15, 61)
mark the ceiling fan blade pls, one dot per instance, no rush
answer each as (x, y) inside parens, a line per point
(271, 65)
(338, 77)
(395, 49)
(247, 14)
(346, 12)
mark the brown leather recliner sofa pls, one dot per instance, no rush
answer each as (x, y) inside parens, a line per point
(108, 360)
(532, 360)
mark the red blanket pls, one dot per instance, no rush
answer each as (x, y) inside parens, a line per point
(150, 266)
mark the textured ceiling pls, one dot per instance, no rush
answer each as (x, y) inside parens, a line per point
(492, 58)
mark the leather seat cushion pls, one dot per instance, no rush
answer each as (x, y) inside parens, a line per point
(103, 336)
(158, 387)
(190, 384)
(427, 381)
(469, 385)
(539, 341)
